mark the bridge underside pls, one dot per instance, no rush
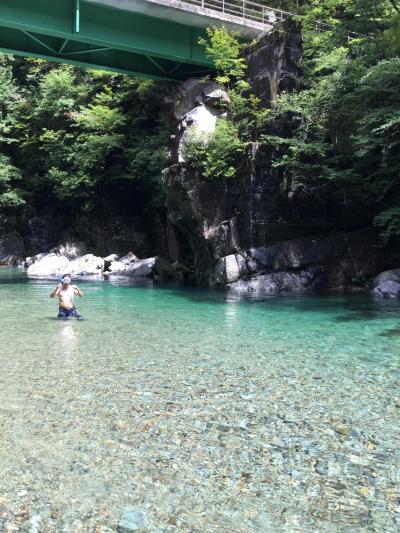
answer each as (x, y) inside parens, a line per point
(96, 36)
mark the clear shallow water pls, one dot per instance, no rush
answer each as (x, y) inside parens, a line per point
(189, 410)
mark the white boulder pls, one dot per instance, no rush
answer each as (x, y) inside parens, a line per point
(50, 265)
(118, 267)
(86, 265)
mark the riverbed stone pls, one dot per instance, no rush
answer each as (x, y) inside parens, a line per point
(133, 519)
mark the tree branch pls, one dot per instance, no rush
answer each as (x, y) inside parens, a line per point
(395, 6)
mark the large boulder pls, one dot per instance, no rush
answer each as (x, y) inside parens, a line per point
(387, 289)
(387, 275)
(117, 267)
(387, 284)
(88, 264)
(154, 267)
(215, 96)
(34, 259)
(295, 254)
(49, 265)
(111, 257)
(129, 258)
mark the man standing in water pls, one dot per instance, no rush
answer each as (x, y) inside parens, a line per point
(66, 293)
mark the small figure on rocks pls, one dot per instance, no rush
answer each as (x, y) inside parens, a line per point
(66, 293)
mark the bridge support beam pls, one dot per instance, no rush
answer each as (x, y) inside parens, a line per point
(93, 35)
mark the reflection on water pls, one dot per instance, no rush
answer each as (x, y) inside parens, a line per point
(67, 341)
(197, 411)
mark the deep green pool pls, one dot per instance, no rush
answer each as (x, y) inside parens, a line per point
(171, 409)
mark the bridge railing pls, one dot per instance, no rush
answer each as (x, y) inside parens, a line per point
(252, 11)
(244, 9)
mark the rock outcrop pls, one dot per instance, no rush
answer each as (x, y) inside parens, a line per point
(338, 260)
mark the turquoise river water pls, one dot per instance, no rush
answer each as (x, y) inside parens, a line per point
(177, 410)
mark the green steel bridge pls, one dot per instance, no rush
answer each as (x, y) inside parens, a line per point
(150, 38)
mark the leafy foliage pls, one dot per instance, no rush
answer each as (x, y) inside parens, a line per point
(79, 137)
(10, 196)
(222, 154)
(345, 116)
(219, 155)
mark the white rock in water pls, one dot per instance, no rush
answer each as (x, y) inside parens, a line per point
(129, 258)
(111, 257)
(117, 266)
(144, 267)
(85, 265)
(50, 265)
(34, 259)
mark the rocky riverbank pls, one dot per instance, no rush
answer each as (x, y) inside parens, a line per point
(66, 259)
(347, 261)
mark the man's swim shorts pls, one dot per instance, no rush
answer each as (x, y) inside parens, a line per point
(65, 313)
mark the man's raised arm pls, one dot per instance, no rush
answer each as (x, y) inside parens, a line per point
(55, 291)
(78, 291)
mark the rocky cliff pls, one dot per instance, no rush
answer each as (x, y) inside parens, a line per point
(254, 233)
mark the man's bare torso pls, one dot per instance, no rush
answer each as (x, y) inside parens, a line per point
(66, 296)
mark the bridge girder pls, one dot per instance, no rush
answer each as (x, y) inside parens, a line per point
(96, 36)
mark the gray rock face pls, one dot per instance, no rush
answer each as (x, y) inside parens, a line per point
(387, 275)
(271, 283)
(273, 62)
(214, 95)
(144, 267)
(387, 284)
(387, 289)
(294, 254)
(210, 219)
(338, 260)
(155, 267)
